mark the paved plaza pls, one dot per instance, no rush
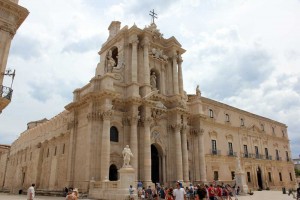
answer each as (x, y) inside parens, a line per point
(258, 195)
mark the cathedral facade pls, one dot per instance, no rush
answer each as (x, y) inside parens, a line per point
(137, 98)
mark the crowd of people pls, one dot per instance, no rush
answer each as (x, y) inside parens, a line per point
(191, 192)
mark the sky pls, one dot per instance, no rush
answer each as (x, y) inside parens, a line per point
(244, 53)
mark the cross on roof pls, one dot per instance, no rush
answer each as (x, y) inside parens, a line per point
(153, 15)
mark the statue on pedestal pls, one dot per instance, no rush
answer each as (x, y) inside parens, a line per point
(126, 156)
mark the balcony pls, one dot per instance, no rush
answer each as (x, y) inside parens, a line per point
(5, 96)
(268, 157)
(215, 152)
(246, 155)
(231, 153)
(278, 158)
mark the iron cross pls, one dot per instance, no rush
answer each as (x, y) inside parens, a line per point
(153, 15)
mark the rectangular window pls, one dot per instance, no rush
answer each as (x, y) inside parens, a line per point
(187, 145)
(63, 149)
(277, 154)
(273, 130)
(256, 152)
(214, 146)
(291, 177)
(227, 118)
(48, 153)
(211, 113)
(232, 175)
(270, 176)
(230, 149)
(242, 122)
(287, 156)
(249, 177)
(262, 127)
(280, 176)
(55, 151)
(216, 175)
(245, 151)
(267, 153)
(30, 155)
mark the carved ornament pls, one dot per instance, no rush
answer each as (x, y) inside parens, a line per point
(94, 116)
(107, 115)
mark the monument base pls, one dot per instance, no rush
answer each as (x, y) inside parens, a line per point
(115, 190)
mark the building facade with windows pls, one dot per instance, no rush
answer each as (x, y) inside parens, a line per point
(136, 98)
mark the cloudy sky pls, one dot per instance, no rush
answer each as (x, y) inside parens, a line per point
(245, 53)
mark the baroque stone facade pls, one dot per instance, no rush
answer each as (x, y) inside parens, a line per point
(136, 98)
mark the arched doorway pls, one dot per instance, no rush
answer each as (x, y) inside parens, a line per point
(259, 178)
(113, 173)
(154, 164)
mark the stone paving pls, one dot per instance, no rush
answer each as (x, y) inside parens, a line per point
(258, 195)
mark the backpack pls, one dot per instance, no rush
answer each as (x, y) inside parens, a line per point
(162, 194)
(191, 191)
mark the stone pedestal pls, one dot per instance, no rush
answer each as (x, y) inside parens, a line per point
(127, 177)
(241, 181)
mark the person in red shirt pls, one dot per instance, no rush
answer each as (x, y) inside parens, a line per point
(219, 192)
(211, 192)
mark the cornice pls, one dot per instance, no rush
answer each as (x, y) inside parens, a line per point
(9, 9)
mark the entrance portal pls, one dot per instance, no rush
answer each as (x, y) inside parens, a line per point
(113, 173)
(259, 178)
(154, 164)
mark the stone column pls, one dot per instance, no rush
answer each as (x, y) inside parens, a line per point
(147, 151)
(105, 147)
(134, 41)
(185, 160)
(202, 156)
(178, 154)
(164, 168)
(180, 79)
(72, 125)
(196, 156)
(134, 142)
(146, 61)
(175, 74)
(163, 80)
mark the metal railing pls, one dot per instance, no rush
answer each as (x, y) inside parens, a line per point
(231, 153)
(5, 92)
(215, 152)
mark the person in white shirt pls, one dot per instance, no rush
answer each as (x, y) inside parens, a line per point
(31, 192)
(179, 193)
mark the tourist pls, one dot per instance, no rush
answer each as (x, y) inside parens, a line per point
(149, 193)
(143, 193)
(179, 193)
(201, 192)
(218, 192)
(73, 194)
(298, 192)
(211, 192)
(131, 190)
(169, 194)
(31, 192)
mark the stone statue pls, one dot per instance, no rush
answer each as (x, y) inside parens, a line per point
(198, 93)
(110, 61)
(126, 155)
(153, 80)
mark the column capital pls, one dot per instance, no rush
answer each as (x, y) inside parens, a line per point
(179, 60)
(197, 132)
(184, 128)
(94, 116)
(133, 120)
(145, 42)
(176, 127)
(107, 115)
(147, 121)
(134, 39)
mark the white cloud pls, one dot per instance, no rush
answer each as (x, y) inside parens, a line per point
(243, 53)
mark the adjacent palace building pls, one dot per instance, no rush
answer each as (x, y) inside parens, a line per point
(137, 98)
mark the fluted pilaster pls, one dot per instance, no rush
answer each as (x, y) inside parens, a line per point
(185, 154)
(134, 41)
(178, 153)
(175, 74)
(134, 142)
(180, 79)
(105, 147)
(202, 156)
(147, 150)
(146, 61)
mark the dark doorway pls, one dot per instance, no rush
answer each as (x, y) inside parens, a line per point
(259, 178)
(154, 164)
(113, 173)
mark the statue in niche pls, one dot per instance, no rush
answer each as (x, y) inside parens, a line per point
(110, 61)
(153, 80)
(126, 155)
